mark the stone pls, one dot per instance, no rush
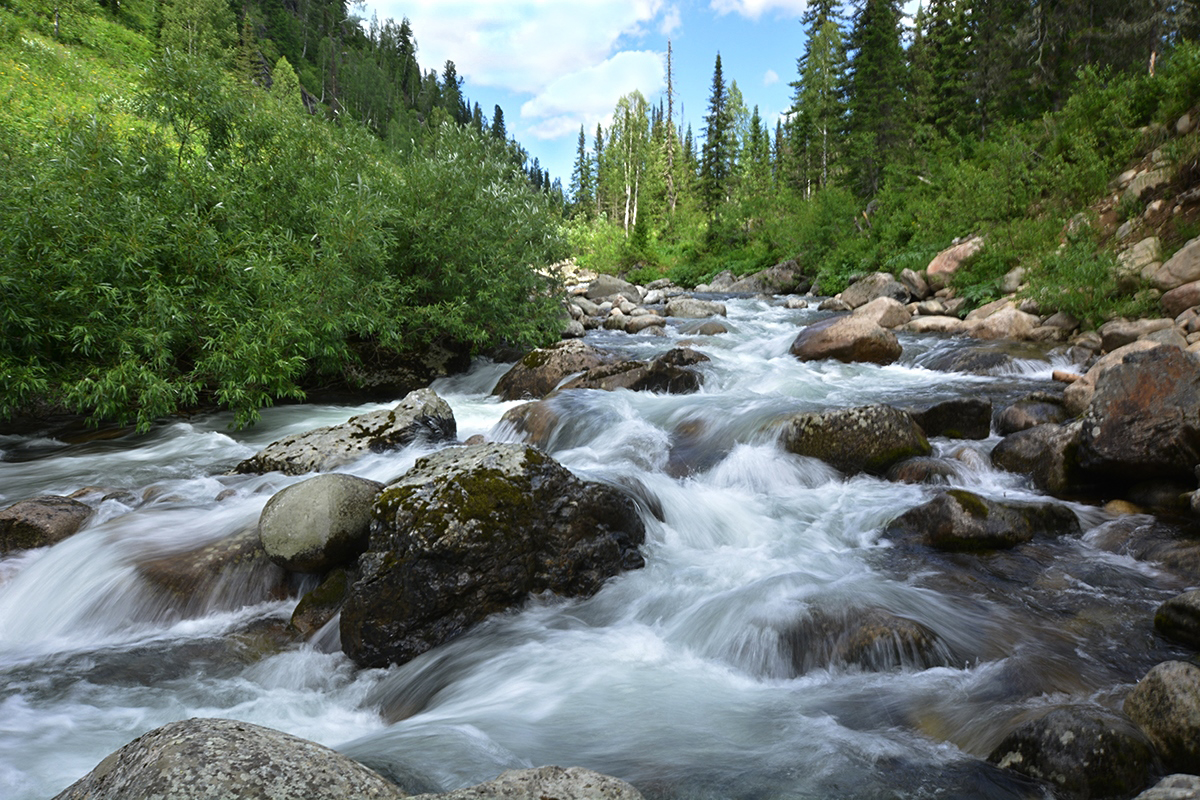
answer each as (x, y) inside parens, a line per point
(1029, 412)
(40, 522)
(1180, 299)
(960, 418)
(923, 469)
(318, 524)
(867, 439)
(868, 638)
(1137, 257)
(786, 277)
(1062, 320)
(606, 286)
(958, 520)
(1165, 704)
(946, 263)
(317, 607)
(833, 304)
(886, 312)
(422, 416)
(1009, 323)
(642, 322)
(793, 301)
(848, 339)
(935, 324)
(473, 531)
(188, 582)
(975, 360)
(1046, 453)
(1178, 619)
(1173, 787)
(1144, 417)
(1119, 332)
(876, 285)
(1078, 395)
(1145, 182)
(545, 783)
(670, 373)
(918, 289)
(1181, 268)
(691, 308)
(1083, 752)
(198, 759)
(587, 307)
(534, 422)
(1185, 124)
(540, 372)
(572, 329)
(1012, 280)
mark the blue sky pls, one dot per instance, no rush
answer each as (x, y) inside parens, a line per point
(555, 64)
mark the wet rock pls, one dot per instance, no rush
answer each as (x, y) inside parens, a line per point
(976, 361)
(317, 607)
(885, 312)
(225, 574)
(871, 639)
(1178, 619)
(866, 439)
(923, 470)
(848, 339)
(880, 284)
(421, 416)
(958, 520)
(1127, 430)
(962, 418)
(691, 308)
(535, 422)
(670, 373)
(545, 783)
(208, 758)
(41, 522)
(1165, 704)
(540, 372)
(469, 532)
(639, 323)
(1081, 751)
(1046, 453)
(1078, 395)
(1173, 787)
(318, 524)
(1029, 412)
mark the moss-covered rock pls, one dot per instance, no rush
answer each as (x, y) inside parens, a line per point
(959, 520)
(472, 531)
(866, 439)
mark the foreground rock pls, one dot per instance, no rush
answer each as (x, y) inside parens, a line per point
(211, 758)
(1166, 706)
(1178, 619)
(1173, 787)
(545, 783)
(472, 531)
(848, 339)
(1082, 752)
(958, 520)
(41, 522)
(540, 372)
(318, 524)
(866, 439)
(421, 416)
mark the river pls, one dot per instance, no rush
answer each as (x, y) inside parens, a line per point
(684, 678)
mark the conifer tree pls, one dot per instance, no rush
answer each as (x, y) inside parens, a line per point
(818, 113)
(582, 191)
(498, 130)
(716, 159)
(875, 100)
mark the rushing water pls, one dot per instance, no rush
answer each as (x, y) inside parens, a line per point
(682, 678)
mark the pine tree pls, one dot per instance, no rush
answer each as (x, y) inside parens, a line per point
(948, 104)
(498, 130)
(598, 163)
(582, 192)
(875, 101)
(818, 114)
(716, 159)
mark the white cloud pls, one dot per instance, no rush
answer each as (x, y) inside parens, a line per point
(589, 94)
(756, 8)
(672, 21)
(770, 78)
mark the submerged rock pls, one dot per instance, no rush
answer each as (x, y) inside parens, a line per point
(540, 372)
(1166, 706)
(670, 373)
(867, 439)
(1082, 752)
(545, 783)
(209, 758)
(848, 339)
(1029, 412)
(318, 607)
(318, 524)
(472, 531)
(421, 416)
(41, 522)
(960, 520)
(961, 418)
(871, 639)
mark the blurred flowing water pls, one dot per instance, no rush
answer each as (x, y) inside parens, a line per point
(685, 678)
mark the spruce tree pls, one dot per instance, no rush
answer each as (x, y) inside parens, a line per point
(716, 159)
(818, 114)
(581, 178)
(498, 130)
(876, 120)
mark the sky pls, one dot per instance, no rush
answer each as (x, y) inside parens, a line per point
(553, 65)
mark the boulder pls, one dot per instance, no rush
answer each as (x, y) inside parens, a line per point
(958, 520)
(1046, 453)
(1133, 260)
(866, 439)
(472, 531)
(961, 418)
(534, 422)
(1083, 752)
(785, 277)
(1012, 280)
(1144, 417)
(188, 582)
(606, 286)
(545, 783)
(868, 638)
(691, 308)
(1173, 787)
(918, 289)
(317, 607)
(923, 469)
(1078, 395)
(670, 373)
(318, 524)
(540, 372)
(207, 758)
(1008, 323)
(1181, 268)
(946, 263)
(1029, 412)
(935, 324)
(1119, 332)
(1165, 704)
(886, 312)
(1178, 619)
(975, 360)
(879, 284)
(421, 416)
(41, 522)
(639, 323)
(833, 304)
(848, 339)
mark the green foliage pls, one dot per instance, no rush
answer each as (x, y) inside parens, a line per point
(1081, 280)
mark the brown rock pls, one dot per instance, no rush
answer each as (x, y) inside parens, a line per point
(847, 339)
(537, 374)
(947, 262)
(41, 522)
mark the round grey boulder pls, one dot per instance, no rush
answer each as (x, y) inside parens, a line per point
(199, 759)
(867, 439)
(848, 339)
(318, 524)
(1166, 706)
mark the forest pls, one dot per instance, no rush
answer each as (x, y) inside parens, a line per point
(209, 204)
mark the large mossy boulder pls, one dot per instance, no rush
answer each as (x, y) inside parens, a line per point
(1165, 704)
(318, 524)
(472, 531)
(867, 439)
(198, 759)
(958, 520)
(541, 371)
(848, 339)
(1082, 752)
(41, 522)
(421, 416)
